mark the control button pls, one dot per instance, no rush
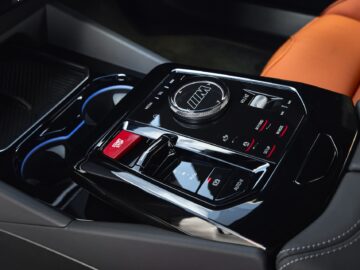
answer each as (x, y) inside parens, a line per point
(261, 125)
(121, 144)
(238, 184)
(225, 138)
(282, 130)
(214, 183)
(259, 101)
(249, 145)
(189, 175)
(148, 106)
(245, 98)
(269, 151)
(199, 100)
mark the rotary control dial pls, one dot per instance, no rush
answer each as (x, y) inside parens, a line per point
(199, 100)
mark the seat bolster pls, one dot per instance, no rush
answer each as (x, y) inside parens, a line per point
(346, 8)
(356, 97)
(325, 53)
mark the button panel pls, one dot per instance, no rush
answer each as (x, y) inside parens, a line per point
(256, 126)
(257, 117)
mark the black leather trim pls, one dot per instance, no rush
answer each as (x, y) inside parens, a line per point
(355, 162)
(332, 241)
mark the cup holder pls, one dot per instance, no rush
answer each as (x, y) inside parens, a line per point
(97, 106)
(49, 159)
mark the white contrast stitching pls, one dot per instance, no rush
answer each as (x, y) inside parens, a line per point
(320, 244)
(323, 253)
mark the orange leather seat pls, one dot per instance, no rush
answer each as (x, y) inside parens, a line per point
(325, 53)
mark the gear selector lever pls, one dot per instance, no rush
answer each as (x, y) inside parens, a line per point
(158, 155)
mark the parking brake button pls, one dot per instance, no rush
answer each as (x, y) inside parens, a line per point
(121, 144)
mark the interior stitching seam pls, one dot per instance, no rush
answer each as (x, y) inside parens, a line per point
(320, 254)
(325, 242)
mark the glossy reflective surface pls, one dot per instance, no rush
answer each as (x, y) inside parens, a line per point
(275, 208)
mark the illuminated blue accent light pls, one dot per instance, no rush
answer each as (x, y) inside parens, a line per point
(82, 123)
(104, 90)
(52, 140)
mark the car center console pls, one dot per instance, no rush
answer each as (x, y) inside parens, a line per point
(221, 156)
(220, 168)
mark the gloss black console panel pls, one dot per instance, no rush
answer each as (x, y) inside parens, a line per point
(261, 130)
(223, 156)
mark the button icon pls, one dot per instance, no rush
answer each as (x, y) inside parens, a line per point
(281, 131)
(261, 125)
(249, 145)
(118, 143)
(269, 151)
(148, 105)
(238, 184)
(225, 138)
(266, 150)
(246, 144)
(216, 182)
(244, 98)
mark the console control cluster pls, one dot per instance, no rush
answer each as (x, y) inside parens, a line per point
(197, 176)
(189, 148)
(168, 136)
(247, 117)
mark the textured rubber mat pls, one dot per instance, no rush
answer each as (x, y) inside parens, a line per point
(31, 85)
